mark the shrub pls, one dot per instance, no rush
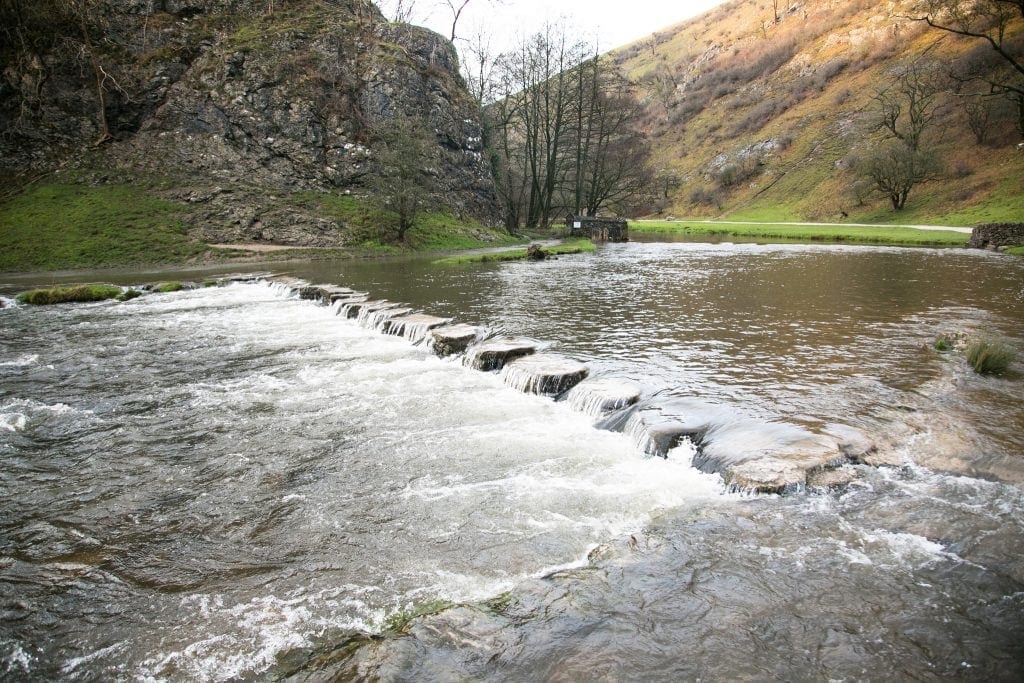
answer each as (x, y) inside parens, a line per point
(77, 294)
(989, 357)
(164, 287)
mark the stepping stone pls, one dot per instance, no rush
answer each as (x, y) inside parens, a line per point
(599, 397)
(494, 353)
(449, 340)
(356, 308)
(415, 326)
(544, 374)
(378, 319)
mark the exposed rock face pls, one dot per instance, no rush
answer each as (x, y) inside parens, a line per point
(240, 109)
(995, 235)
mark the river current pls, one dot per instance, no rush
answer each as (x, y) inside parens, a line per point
(233, 483)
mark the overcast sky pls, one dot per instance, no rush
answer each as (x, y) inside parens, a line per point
(612, 22)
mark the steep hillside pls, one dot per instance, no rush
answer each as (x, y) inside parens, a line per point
(762, 119)
(253, 116)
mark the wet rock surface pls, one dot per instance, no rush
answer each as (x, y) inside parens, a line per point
(495, 353)
(544, 374)
(450, 340)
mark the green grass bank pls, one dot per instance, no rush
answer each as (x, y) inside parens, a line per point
(891, 235)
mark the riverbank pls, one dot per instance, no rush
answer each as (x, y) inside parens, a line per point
(918, 236)
(58, 227)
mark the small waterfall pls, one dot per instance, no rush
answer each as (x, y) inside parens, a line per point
(655, 433)
(414, 327)
(544, 374)
(493, 354)
(376, 319)
(284, 288)
(600, 397)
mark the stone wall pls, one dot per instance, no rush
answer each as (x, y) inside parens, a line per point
(995, 235)
(598, 229)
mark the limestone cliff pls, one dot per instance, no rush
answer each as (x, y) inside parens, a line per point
(232, 105)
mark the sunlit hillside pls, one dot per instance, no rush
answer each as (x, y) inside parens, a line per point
(762, 119)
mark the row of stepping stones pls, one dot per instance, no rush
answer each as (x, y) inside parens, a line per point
(792, 459)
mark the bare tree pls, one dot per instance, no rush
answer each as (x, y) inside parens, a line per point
(895, 169)
(456, 7)
(403, 184)
(990, 21)
(562, 131)
(907, 107)
(905, 110)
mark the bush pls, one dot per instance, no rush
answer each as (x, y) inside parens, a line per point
(165, 287)
(989, 357)
(77, 294)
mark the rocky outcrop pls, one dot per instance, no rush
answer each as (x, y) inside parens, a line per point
(239, 110)
(995, 235)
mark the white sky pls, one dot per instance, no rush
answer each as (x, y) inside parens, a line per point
(612, 22)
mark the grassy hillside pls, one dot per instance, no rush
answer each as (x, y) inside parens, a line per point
(763, 120)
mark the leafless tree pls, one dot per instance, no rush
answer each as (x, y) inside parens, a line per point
(992, 22)
(403, 184)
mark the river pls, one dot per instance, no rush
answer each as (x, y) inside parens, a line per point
(233, 483)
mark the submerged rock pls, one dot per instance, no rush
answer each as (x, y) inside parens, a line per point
(544, 374)
(414, 326)
(449, 340)
(495, 353)
(831, 479)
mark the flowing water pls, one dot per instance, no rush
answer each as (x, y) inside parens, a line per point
(233, 483)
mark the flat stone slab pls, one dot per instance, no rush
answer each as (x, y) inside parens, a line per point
(449, 340)
(599, 397)
(779, 467)
(322, 292)
(414, 326)
(494, 353)
(357, 308)
(544, 374)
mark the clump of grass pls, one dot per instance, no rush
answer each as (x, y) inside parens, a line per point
(943, 343)
(76, 294)
(165, 287)
(128, 295)
(1016, 251)
(989, 357)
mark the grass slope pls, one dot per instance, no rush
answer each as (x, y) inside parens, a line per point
(53, 227)
(851, 234)
(763, 120)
